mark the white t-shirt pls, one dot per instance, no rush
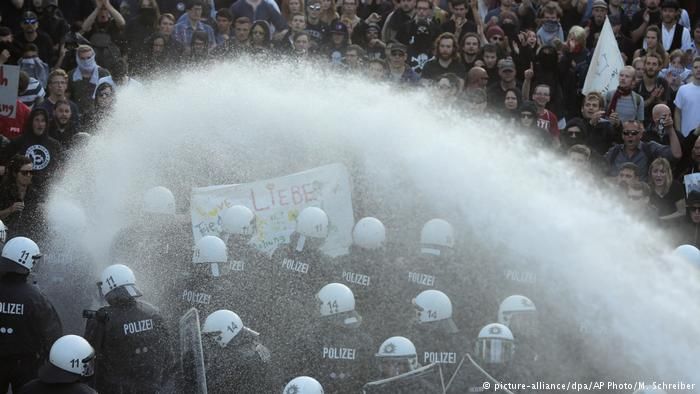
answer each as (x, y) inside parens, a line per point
(688, 102)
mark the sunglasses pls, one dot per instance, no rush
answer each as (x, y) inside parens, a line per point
(630, 132)
(694, 209)
(526, 116)
(315, 7)
(497, 38)
(26, 172)
(397, 53)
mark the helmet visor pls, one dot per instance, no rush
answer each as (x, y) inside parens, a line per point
(494, 350)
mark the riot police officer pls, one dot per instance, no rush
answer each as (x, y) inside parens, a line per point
(204, 286)
(435, 334)
(297, 274)
(131, 341)
(248, 269)
(400, 371)
(362, 270)
(236, 361)
(29, 323)
(71, 359)
(338, 350)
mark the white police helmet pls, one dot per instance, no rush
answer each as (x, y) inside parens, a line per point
(225, 324)
(397, 354)
(434, 306)
(435, 235)
(688, 253)
(159, 200)
(71, 357)
(210, 250)
(495, 344)
(312, 222)
(338, 299)
(519, 313)
(369, 233)
(303, 385)
(118, 276)
(19, 255)
(239, 220)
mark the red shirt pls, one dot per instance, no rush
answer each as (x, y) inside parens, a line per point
(548, 121)
(13, 128)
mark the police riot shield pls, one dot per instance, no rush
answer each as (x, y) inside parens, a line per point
(191, 353)
(427, 379)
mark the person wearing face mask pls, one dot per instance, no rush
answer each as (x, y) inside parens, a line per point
(546, 71)
(31, 64)
(36, 144)
(32, 35)
(83, 79)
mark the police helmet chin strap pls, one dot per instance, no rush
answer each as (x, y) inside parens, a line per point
(215, 269)
(300, 243)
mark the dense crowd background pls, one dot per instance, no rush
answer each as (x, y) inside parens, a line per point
(524, 62)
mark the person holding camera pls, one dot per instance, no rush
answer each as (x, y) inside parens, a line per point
(131, 341)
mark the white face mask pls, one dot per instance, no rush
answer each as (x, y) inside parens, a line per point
(88, 64)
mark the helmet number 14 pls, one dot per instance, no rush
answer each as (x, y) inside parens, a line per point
(333, 306)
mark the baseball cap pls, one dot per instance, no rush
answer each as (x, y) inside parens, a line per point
(600, 4)
(506, 64)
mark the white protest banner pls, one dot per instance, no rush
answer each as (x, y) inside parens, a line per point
(276, 204)
(606, 63)
(9, 80)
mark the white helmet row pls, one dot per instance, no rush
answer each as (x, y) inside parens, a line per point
(239, 220)
(118, 276)
(338, 299)
(225, 324)
(159, 200)
(303, 385)
(19, 255)
(369, 233)
(495, 344)
(71, 357)
(435, 235)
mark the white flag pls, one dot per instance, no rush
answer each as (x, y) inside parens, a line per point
(606, 63)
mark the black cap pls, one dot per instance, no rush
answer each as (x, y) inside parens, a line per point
(397, 46)
(670, 4)
(693, 197)
(529, 106)
(339, 28)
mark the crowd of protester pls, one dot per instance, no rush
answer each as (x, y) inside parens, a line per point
(525, 62)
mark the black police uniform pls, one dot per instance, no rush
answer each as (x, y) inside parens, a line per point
(249, 271)
(29, 325)
(439, 342)
(53, 380)
(338, 355)
(296, 278)
(243, 366)
(363, 272)
(132, 346)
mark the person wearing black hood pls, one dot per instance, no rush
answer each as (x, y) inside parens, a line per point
(131, 340)
(260, 38)
(528, 124)
(199, 53)
(141, 26)
(35, 143)
(547, 72)
(62, 374)
(29, 321)
(61, 127)
(690, 231)
(103, 98)
(10, 52)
